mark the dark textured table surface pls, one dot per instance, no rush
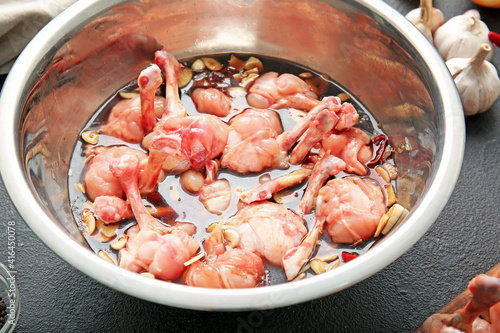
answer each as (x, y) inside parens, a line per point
(463, 242)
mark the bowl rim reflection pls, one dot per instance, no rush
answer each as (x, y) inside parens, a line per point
(57, 239)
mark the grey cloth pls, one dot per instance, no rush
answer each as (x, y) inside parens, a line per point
(20, 21)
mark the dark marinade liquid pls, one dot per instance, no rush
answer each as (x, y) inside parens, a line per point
(187, 207)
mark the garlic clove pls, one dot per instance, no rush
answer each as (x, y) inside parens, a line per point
(461, 36)
(418, 17)
(477, 81)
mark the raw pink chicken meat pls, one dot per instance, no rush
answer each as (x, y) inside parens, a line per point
(294, 260)
(485, 296)
(211, 101)
(111, 209)
(272, 90)
(348, 208)
(166, 61)
(346, 113)
(99, 180)
(268, 229)
(252, 144)
(319, 128)
(266, 190)
(353, 207)
(322, 170)
(194, 140)
(131, 119)
(149, 80)
(221, 268)
(352, 146)
(151, 246)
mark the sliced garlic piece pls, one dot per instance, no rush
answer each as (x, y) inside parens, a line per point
(318, 266)
(91, 137)
(396, 214)
(119, 243)
(253, 62)
(236, 92)
(108, 230)
(328, 257)
(232, 237)
(391, 196)
(198, 65)
(318, 85)
(100, 237)
(392, 170)
(211, 227)
(383, 173)
(105, 256)
(89, 220)
(381, 225)
(185, 76)
(194, 259)
(248, 80)
(80, 187)
(306, 75)
(333, 265)
(343, 97)
(236, 62)
(212, 64)
(299, 277)
(148, 275)
(128, 94)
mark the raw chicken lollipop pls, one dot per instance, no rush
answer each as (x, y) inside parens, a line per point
(352, 146)
(194, 140)
(268, 229)
(252, 142)
(221, 268)
(131, 119)
(294, 259)
(486, 294)
(111, 208)
(323, 169)
(272, 90)
(327, 111)
(353, 207)
(166, 61)
(151, 246)
(99, 180)
(255, 142)
(266, 190)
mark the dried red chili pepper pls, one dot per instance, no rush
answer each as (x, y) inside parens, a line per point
(494, 38)
(348, 256)
(382, 140)
(221, 75)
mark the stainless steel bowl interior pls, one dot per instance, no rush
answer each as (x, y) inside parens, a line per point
(94, 48)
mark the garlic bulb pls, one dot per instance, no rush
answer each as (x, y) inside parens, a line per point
(461, 36)
(436, 17)
(476, 80)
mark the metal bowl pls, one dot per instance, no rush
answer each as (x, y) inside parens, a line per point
(95, 47)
